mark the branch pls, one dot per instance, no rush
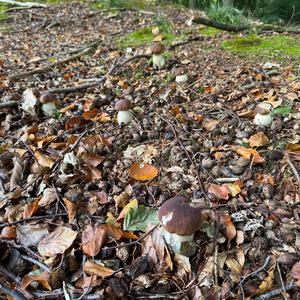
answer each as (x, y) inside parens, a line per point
(24, 4)
(271, 294)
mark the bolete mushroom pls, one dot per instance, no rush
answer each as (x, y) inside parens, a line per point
(180, 219)
(48, 103)
(124, 113)
(157, 49)
(264, 114)
(181, 75)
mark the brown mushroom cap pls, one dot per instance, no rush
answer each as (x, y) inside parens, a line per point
(180, 71)
(122, 105)
(157, 48)
(48, 97)
(179, 216)
(263, 108)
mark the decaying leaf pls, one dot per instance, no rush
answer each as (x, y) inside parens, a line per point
(31, 235)
(17, 173)
(57, 242)
(143, 171)
(8, 232)
(93, 239)
(132, 204)
(220, 191)
(230, 230)
(92, 268)
(36, 276)
(259, 140)
(49, 195)
(250, 153)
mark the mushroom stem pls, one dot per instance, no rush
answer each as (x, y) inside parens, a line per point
(263, 120)
(124, 117)
(49, 108)
(158, 61)
(181, 78)
(176, 241)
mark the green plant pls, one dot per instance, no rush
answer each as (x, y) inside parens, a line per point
(228, 15)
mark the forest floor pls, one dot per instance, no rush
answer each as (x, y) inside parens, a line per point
(80, 194)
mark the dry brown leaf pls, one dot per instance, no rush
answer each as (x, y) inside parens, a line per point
(71, 207)
(293, 148)
(89, 281)
(91, 268)
(49, 196)
(92, 159)
(143, 171)
(248, 153)
(90, 115)
(210, 125)
(43, 160)
(31, 235)
(295, 272)
(221, 191)
(8, 232)
(230, 230)
(42, 279)
(17, 173)
(93, 239)
(259, 140)
(31, 208)
(57, 242)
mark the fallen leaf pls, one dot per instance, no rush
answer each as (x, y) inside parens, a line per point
(57, 242)
(31, 235)
(143, 171)
(221, 191)
(92, 159)
(295, 272)
(43, 160)
(258, 140)
(71, 208)
(31, 208)
(36, 276)
(248, 153)
(293, 148)
(210, 125)
(230, 230)
(8, 232)
(132, 204)
(49, 196)
(17, 173)
(93, 239)
(93, 268)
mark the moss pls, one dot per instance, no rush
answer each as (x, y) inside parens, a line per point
(142, 37)
(276, 47)
(209, 31)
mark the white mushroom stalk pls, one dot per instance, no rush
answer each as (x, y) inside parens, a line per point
(264, 114)
(124, 117)
(182, 78)
(158, 61)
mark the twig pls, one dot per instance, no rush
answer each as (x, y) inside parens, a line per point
(281, 281)
(34, 218)
(31, 152)
(14, 294)
(131, 243)
(295, 171)
(271, 294)
(50, 66)
(36, 262)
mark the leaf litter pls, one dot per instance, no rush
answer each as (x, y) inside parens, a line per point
(80, 194)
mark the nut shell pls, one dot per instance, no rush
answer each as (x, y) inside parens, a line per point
(178, 215)
(123, 105)
(157, 48)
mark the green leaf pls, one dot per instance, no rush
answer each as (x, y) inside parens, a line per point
(137, 219)
(283, 110)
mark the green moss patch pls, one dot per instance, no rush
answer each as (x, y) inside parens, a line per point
(142, 37)
(209, 31)
(276, 47)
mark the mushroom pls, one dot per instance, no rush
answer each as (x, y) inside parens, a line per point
(180, 219)
(264, 114)
(48, 103)
(124, 113)
(157, 49)
(181, 75)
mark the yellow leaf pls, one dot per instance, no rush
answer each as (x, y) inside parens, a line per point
(259, 140)
(158, 38)
(234, 189)
(143, 171)
(248, 153)
(132, 204)
(293, 148)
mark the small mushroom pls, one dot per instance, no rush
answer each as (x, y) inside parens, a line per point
(124, 113)
(157, 49)
(181, 75)
(264, 114)
(48, 103)
(180, 219)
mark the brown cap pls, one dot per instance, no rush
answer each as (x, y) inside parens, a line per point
(157, 48)
(179, 216)
(48, 97)
(180, 71)
(123, 105)
(263, 108)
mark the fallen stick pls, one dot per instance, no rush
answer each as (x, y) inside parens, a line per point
(50, 66)
(273, 293)
(24, 4)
